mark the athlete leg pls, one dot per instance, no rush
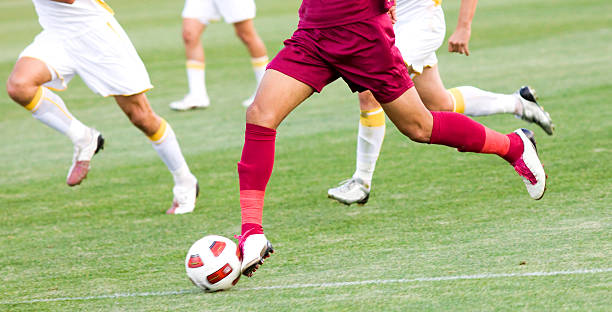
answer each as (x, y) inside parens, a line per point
(195, 66)
(245, 30)
(25, 79)
(25, 86)
(472, 101)
(165, 143)
(192, 31)
(277, 96)
(447, 128)
(432, 91)
(369, 142)
(456, 130)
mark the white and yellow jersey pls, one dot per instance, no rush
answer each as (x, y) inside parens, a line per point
(71, 18)
(409, 9)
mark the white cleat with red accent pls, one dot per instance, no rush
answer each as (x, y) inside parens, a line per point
(184, 199)
(190, 102)
(82, 156)
(255, 248)
(529, 166)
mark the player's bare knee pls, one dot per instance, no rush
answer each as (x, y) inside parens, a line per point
(261, 117)
(190, 37)
(416, 133)
(20, 90)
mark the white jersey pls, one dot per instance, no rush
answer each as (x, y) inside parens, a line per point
(72, 18)
(408, 9)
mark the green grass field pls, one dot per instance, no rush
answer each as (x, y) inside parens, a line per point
(443, 230)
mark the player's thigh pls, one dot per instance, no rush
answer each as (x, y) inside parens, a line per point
(365, 57)
(48, 49)
(367, 102)
(277, 95)
(29, 71)
(431, 89)
(410, 116)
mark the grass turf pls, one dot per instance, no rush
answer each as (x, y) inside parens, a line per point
(434, 212)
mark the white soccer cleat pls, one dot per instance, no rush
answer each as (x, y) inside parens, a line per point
(184, 199)
(81, 158)
(529, 167)
(190, 102)
(249, 101)
(350, 191)
(255, 248)
(532, 111)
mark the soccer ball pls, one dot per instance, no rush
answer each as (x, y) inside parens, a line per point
(213, 263)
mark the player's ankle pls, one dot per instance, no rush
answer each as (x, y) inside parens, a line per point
(249, 229)
(183, 177)
(515, 150)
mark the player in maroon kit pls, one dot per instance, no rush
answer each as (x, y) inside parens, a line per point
(354, 40)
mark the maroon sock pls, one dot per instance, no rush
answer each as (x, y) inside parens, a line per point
(457, 130)
(467, 135)
(254, 171)
(515, 149)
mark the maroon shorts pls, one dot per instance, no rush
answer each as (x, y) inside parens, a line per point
(362, 53)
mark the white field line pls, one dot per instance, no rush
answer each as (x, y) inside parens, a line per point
(326, 285)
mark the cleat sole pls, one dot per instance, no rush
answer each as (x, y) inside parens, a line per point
(265, 253)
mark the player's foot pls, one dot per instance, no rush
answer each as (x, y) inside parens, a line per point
(254, 249)
(190, 102)
(81, 157)
(350, 191)
(529, 167)
(249, 101)
(184, 199)
(532, 111)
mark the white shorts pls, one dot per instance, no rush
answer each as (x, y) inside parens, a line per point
(103, 57)
(418, 37)
(232, 11)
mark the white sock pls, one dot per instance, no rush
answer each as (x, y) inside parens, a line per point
(259, 67)
(196, 76)
(475, 102)
(166, 145)
(369, 142)
(50, 109)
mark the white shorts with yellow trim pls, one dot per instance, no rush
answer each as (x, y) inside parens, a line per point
(103, 57)
(418, 36)
(232, 11)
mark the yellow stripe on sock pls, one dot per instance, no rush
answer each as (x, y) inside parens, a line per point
(259, 61)
(159, 134)
(32, 105)
(58, 107)
(106, 6)
(372, 118)
(260, 64)
(195, 65)
(437, 2)
(458, 98)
